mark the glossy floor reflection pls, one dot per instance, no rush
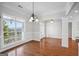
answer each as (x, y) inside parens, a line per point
(52, 47)
(46, 47)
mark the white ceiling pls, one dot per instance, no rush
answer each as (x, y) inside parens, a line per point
(45, 10)
(72, 13)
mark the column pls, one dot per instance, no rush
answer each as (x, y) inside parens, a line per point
(65, 32)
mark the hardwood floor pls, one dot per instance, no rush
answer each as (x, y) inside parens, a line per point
(53, 47)
(46, 47)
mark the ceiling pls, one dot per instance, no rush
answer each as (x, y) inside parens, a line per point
(74, 13)
(45, 10)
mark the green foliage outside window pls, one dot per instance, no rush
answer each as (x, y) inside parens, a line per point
(6, 32)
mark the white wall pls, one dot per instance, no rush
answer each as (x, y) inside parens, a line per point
(52, 29)
(28, 31)
(75, 27)
(32, 31)
(36, 31)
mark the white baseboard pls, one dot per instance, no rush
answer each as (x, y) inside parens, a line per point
(36, 39)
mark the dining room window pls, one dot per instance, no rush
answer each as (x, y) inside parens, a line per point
(12, 30)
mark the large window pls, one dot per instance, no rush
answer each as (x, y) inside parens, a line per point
(12, 30)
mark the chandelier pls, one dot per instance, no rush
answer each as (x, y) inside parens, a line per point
(33, 17)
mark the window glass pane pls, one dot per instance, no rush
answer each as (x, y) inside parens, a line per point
(19, 27)
(9, 33)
